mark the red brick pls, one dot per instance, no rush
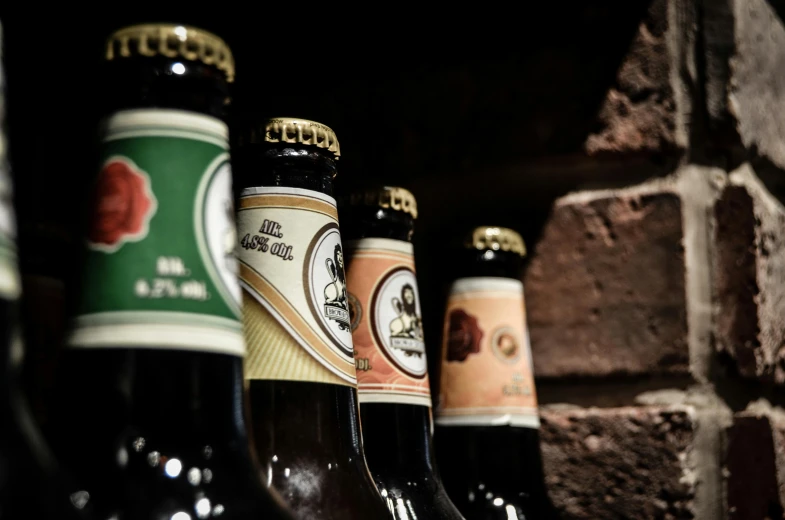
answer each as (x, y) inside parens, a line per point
(593, 77)
(749, 241)
(745, 87)
(606, 288)
(639, 113)
(619, 463)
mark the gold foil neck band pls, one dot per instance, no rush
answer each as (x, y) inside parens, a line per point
(388, 197)
(298, 131)
(172, 41)
(497, 239)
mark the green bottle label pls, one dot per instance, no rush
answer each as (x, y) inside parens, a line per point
(161, 270)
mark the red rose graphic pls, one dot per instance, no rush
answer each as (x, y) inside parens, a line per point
(122, 205)
(463, 336)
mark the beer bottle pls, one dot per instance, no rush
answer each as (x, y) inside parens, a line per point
(392, 371)
(31, 484)
(487, 438)
(152, 412)
(300, 365)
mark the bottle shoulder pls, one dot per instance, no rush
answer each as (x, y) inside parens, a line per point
(424, 497)
(157, 430)
(146, 478)
(318, 469)
(327, 490)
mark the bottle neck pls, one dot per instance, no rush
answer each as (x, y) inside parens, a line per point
(169, 395)
(522, 459)
(156, 384)
(400, 439)
(486, 262)
(162, 82)
(281, 407)
(488, 460)
(375, 222)
(482, 463)
(399, 435)
(204, 392)
(284, 166)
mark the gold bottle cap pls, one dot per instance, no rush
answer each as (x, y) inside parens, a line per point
(497, 239)
(393, 197)
(172, 41)
(296, 131)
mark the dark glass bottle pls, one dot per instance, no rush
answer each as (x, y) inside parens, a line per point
(487, 437)
(392, 376)
(151, 416)
(32, 484)
(42, 308)
(300, 366)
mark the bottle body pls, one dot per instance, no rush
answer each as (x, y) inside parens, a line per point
(160, 432)
(387, 327)
(487, 421)
(300, 369)
(150, 412)
(307, 437)
(399, 450)
(494, 472)
(31, 483)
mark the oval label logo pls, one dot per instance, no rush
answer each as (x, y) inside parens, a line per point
(396, 321)
(355, 311)
(506, 345)
(325, 283)
(217, 238)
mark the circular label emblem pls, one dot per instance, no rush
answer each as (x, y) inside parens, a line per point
(220, 232)
(355, 311)
(506, 345)
(325, 284)
(396, 321)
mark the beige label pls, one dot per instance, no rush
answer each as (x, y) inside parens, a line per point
(486, 370)
(386, 322)
(295, 305)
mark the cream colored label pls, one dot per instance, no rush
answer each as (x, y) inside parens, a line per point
(295, 305)
(386, 322)
(486, 370)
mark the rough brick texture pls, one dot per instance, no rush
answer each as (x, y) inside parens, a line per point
(606, 288)
(749, 273)
(755, 452)
(745, 55)
(639, 111)
(619, 463)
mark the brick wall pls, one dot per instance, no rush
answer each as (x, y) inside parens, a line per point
(657, 308)
(638, 145)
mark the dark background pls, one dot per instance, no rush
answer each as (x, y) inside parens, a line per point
(483, 114)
